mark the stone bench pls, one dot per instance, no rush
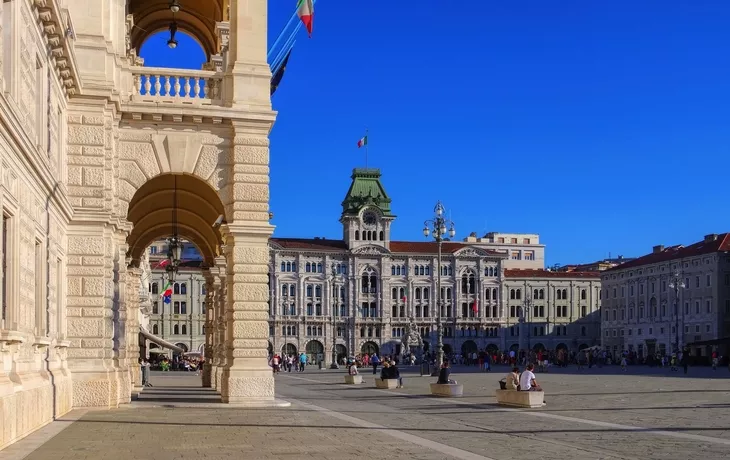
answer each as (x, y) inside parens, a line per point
(516, 398)
(353, 379)
(387, 384)
(449, 390)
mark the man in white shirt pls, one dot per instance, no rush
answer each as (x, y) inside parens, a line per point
(528, 381)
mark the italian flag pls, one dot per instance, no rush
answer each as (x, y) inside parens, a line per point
(167, 291)
(305, 11)
(362, 142)
(405, 296)
(474, 307)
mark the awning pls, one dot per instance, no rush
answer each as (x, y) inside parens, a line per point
(161, 342)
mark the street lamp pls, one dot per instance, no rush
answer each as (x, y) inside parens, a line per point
(334, 317)
(436, 228)
(527, 311)
(676, 283)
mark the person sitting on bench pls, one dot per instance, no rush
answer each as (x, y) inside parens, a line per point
(385, 372)
(528, 381)
(444, 374)
(353, 369)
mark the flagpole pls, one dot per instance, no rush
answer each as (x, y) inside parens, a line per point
(366, 148)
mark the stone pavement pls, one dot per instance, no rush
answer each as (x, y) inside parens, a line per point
(591, 414)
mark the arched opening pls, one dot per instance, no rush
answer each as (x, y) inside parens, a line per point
(562, 346)
(515, 347)
(189, 53)
(315, 351)
(289, 350)
(539, 347)
(341, 352)
(197, 17)
(582, 347)
(469, 347)
(447, 349)
(196, 207)
(492, 348)
(369, 348)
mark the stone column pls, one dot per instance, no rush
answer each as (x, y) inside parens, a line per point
(247, 376)
(220, 360)
(134, 283)
(210, 310)
(248, 80)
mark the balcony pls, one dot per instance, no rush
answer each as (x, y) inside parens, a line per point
(176, 86)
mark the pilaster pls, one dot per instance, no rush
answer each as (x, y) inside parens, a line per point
(210, 311)
(133, 291)
(247, 376)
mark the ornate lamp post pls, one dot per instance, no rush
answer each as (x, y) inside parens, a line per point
(526, 317)
(436, 228)
(335, 302)
(676, 283)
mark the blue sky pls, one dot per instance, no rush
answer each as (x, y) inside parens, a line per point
(602, 126)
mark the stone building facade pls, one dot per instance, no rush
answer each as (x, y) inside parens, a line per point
(182, 321)
(359, 294)
(95, 151)
(671, 298)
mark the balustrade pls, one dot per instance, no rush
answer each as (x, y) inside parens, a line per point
(176, 85)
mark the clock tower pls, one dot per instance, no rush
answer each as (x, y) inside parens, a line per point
(366, 215)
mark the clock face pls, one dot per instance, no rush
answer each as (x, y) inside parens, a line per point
(369, 218)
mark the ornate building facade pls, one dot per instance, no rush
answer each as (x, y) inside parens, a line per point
(669, 299)
(359, 294)
(99, 157)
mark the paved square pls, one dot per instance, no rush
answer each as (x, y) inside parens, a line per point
(591, 414)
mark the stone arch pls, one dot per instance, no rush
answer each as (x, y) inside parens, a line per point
(198, 207)
(469, 346)
(196, 17)
(369, 347)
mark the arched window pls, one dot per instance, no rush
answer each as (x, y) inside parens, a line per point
(402, 293)
(382, 236)
(370, 332)
(418, 311)
(425, 293)
(512, 294)
(176, 288)
(318, 291)
(155, 288)
(176, 329)
(392, 270)
(309, 330)
(319, 330)
(184, 329)
(519, 294)
(536, 294)
(292, 290)
(308, 267)
(418, 293)
(283, 267)
(565, 293)
(284, 289)
(494, 295)
(155, 329)
(293, 266)
(395, 311)
(357, 235)
(542, 293)
(289, 266)
(394, 293)
(309, 290)
(488, 294)
(319, 268)
(582, 294)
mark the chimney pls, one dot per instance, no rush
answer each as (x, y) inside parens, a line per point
(658, 248)
(710, 238)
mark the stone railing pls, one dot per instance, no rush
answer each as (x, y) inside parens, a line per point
(176, 85)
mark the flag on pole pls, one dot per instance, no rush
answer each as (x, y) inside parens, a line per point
(167, 292)
(405, 295)
(305, 11)
(279, 74)
(362, 142)
(161, 264)
(474, 307)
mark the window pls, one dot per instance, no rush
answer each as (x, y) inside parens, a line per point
(525, 241)
(515, 255)
(529, 255)
(183, 288)
(155, 329)
(176, 308)
(513, 240)
(183, 308)
(697, 282)
(155, 308)
(708, 281)
(176, 329)
(202, 308)
(176, 288)
(582, 294)
(155, 288)
(153, 250)
(40, 304)
(708, 305)
(203, 291)
(184, 329)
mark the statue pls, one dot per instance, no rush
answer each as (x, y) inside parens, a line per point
(412, 339)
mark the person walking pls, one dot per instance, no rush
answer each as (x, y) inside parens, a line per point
(375, 361)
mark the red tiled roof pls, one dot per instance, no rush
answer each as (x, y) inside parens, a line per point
(721, 243)
(539, 273)
(312, 244)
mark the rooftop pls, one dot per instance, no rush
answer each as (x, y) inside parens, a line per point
(711, 243)
(397, 247)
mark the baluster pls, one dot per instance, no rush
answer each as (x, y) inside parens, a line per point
(187, 87)
(147, 85)
(206, 88)
(167, 85)
(157, 85)
(137, 85)
(196, 87)
(177, 86)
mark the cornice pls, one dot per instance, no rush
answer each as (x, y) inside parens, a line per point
(58, 30)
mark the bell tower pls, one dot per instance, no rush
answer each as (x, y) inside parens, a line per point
(366, 216)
